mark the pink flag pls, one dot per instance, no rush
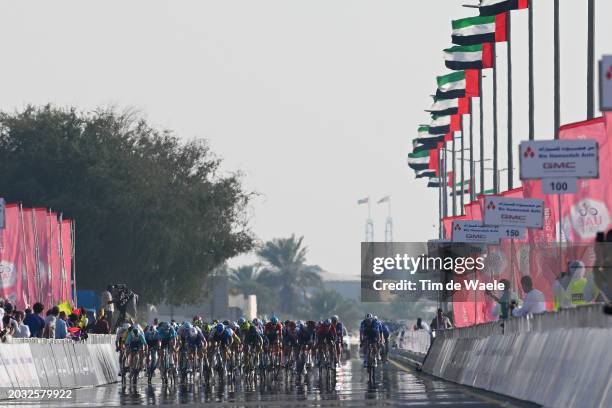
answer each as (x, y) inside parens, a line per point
(66, 233)
(29, 252)
(10, 258)
(54, 256)
(589, 211)
(41, 224)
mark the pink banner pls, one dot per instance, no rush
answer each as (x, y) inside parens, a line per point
(56, 260)
(43, 247)
(30, 255)
(589, 211)
(66, 233)
(10, 259)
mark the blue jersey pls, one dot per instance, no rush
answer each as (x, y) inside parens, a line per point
(373, 326)
(384, 330)
(135, 340)
(166, 334)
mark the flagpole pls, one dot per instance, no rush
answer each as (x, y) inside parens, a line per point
(472, 183)
(531, 76)
(453, 183)
(481, 119)
(444, 180)
(557, 69)
(590, 61)
(461, 203)
(495, 164)
(510, 147)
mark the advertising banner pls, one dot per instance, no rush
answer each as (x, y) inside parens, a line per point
(41, 227)
(66, 234)
(589, 210)
(516, 212)
(56, 261)
(559, 158)
(474, 232)
(10, 259)
(29, 252)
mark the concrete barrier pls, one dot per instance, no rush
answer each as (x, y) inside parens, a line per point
(554, 359)
(58, 363)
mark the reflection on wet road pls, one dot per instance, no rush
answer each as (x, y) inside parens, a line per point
(393, 386)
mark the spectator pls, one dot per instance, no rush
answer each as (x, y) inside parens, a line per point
(61, 327)
(35, 321)
(10, 327)
(23, 331)
(50, 321)
(441, 322)
(83, 319)
(101, 326)
(534, 301)
(107, 304)
(502, 308)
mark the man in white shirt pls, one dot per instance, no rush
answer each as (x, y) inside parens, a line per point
(534, 301)
(23, 331)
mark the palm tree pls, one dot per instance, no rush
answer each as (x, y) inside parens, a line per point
(244, 280)
(284, 267)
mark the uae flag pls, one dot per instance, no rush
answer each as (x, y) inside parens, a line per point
(427, 138)
(461, 189)
(458, 84)
(457, 106)
(493, 7)
(445, 124)
(419, 160)
(434, 182)
(427, 144)
(478, 56)
(478, 30)
(434, 159)
(427, 173)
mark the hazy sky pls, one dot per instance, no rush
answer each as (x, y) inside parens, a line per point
(315, 101)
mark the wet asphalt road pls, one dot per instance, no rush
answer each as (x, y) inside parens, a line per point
(395, 386)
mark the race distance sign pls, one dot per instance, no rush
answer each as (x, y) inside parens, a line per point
(515, 212)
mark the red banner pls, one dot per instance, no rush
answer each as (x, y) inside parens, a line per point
(29, 254)
(41, 225)
(66, 234)
(10, 259)
(589, 211)
(56, 261)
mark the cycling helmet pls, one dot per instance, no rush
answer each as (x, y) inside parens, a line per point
(125, 326)
(197, 318)
(369, 316)
(334, 318)
(241, 320)
(219, 328)
(255, 321)
(163, 325)
(226, 322)
(327, 322)
(135, 331)
(273, 320)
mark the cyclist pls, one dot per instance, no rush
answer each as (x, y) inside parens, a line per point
(290, 341)
(385, 334)
(258, 325)
(120, 336)
(136, 343)
(325, 336)
(196, 344)
(369, 333)
(273, 336)
(153, 341)
(222, 337)
(167, 336)
(253, 342)
(243, 327)
(340, 333)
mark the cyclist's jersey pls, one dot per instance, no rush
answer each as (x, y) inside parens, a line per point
(152, 337)
(326, 332)
(206, 328)
(133, 341)
(253, 339)
(273, 332)
(167, 334)
(339, 331)
(226, 337)
(198, 341)
(384, 330)
(121, 334)
(290, 337)
(305, 336)
(370, 328)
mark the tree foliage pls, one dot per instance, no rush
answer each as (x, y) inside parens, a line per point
(284, 268)
(150, 210)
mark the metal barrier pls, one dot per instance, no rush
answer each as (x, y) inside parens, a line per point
(416, 341)
(91, 339)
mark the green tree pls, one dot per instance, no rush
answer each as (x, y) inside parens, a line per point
(326, 303)
(150, 211)
(284, 267)
(244, 280)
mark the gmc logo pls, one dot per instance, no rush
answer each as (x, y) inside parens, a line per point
(564, 165)
(513, 217)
